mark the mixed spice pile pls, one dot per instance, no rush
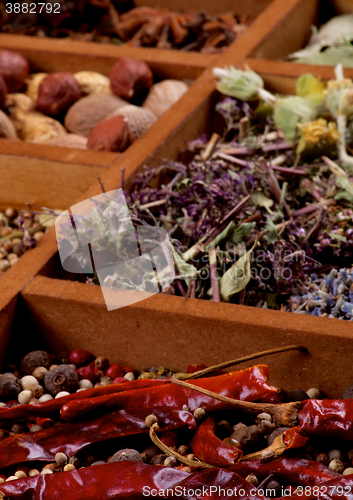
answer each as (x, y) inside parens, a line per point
(260, 214)
(77, 428)
(121, 23)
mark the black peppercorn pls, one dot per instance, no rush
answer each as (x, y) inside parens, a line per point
(61, 378)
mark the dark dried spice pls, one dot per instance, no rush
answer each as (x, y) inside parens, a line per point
(9, 386)
(61, 378)
(34, 359)
(127, 454)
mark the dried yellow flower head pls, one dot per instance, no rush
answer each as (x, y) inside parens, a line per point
(317, 138)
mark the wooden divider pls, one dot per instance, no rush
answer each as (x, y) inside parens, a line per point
(173, 331)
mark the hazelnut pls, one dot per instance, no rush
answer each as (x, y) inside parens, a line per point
(57, 92)
(14, 69)
(59, 379)
(34, 359)
(130, 79)
(112, 134)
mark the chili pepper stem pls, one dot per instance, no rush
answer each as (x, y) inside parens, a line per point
(276, 449)
(282, 414)
(171, 453)
(227, 364)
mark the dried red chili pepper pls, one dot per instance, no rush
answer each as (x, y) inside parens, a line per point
(54, 405)
(214, 483)
(295, 470)
(333, 417)
(101, 482)
(248, 385)
(210, 449)
(340, 488)
(71, 437)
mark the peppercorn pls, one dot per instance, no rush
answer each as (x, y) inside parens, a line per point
(61, 459)
(336, 454)
(34, 359)
(170, 462)
(150, 420)
(9, 386)
(323, 458)
(273, 489)
(127, 454)
(158, 459)
(252, 479)
(61, 378)
(199, 413)
(336, 465)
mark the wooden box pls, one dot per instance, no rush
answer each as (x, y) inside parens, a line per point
(162, 329)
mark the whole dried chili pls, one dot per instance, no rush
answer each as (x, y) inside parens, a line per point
(215, 483)
(101, 482)
(333, 417)
(53, 405)
(249, 384)
(71, 437)
(295, 470)
(340, 488)
(212, 450)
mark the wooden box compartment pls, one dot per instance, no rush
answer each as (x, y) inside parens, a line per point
(45, 183)
(175, 330)
(72, 56)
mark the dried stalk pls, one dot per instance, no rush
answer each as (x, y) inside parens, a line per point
(227, 364)
(285, 415)
(171, 453)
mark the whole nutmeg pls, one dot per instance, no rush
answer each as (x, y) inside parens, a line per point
(130, 79)
(9, 386)
(34, 359)
(112, 134)
(139, 119)
(14, 69)
(61, 378)
(57, 92)
(3, 92)
(88, 111)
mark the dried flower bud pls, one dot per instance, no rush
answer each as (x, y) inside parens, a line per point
(14, 69)
(130, 78)
(112, 134)
(237, 83)
(57, 92)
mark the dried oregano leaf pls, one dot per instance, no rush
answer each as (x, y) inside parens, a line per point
(238, 276)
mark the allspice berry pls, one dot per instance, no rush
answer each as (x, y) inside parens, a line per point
(9, 386)
(61, 378)
(127, 454)
(34, 359)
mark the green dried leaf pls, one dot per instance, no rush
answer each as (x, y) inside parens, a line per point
(233, 233)
(330, 57)
(184, 268)
(234, 82)
(310, 87)
(261, 200)
(292, 110)
(272, 235)
(48, 220)
(238, 276)
(338, 237)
